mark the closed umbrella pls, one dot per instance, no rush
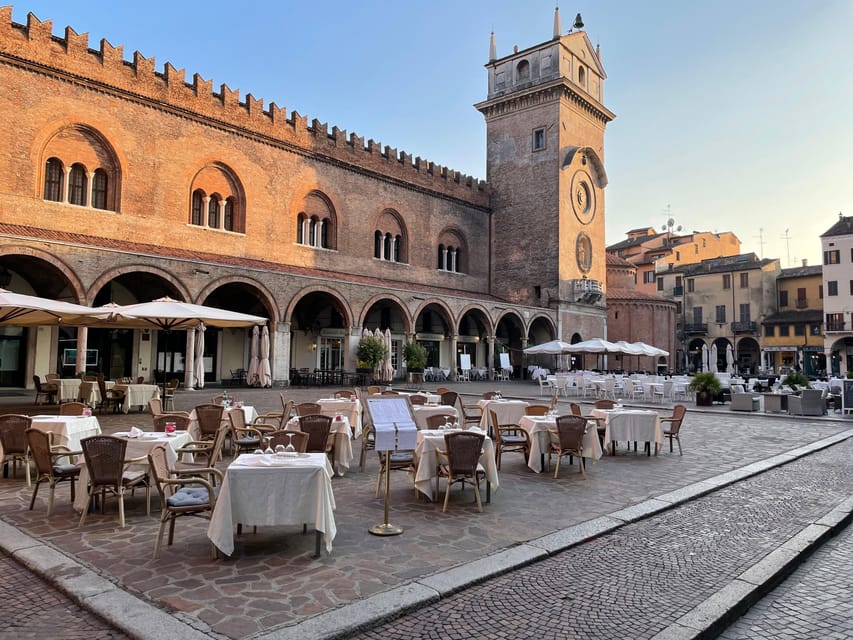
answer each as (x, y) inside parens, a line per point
(730, 359)
(705, 364)
(199, 356)
(252, 374)
(712, 359)
(388, 368)
(264, 371)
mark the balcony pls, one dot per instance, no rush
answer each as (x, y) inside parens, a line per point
(836, 327)
(587, 291)
(700, 328)
(744, 327)
(802, 303)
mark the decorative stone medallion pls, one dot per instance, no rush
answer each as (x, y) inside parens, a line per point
(582, 195)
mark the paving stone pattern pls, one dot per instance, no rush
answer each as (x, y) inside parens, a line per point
(30, 609)
(272, 580)
(638, 580)
(814, 603)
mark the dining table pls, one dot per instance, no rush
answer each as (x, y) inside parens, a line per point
(424, 411)
(630, 425)
(137, 395)
(506, 411)
(275, 490)
(89, 392)
(138, 446)
(349, 407)
(69, 389)
(429, 442)
(68, 430)
(539, 429)
(341, 435)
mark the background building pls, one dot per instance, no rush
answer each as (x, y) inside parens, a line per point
(837, 244)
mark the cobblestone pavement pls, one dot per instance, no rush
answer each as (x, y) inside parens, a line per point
(814, 603)
(30, 609)
(253, 591)
(636, 581)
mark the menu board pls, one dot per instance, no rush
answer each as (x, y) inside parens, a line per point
(465, 361)
(394, 423)
(505, 361)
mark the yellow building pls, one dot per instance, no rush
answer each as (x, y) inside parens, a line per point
(793, 336)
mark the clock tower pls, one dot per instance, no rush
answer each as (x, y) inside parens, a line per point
(545, 121)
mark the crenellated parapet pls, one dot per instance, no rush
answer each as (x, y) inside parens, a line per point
(70, 57)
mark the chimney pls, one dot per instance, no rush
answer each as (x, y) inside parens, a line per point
(805, 262)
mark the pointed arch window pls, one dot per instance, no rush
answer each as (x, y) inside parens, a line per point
(53, 180)
(99, 189)
(78, 183)
(198, 208)
(213, 212)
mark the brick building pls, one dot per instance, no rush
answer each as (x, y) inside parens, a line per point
(122, 183)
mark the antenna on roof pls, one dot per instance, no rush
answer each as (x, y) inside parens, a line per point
(760, 241)
(787, 239)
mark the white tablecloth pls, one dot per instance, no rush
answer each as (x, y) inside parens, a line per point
(137, 395)
(429, 441)
(341, 433)
(136, 448)
(630, 425)
(91, 394)
(351, 409)
(258, 491)
(506, 411)
(69, 388)
(69, 430)
(537, 428)
(424, 411)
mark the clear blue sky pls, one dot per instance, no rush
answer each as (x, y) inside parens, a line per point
(731, 115)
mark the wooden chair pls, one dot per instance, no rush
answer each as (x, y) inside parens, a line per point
(182, 493)
(308, 408)
(13, 438)
(245, 438)
(140, 380)
(299, 439)
(536, 410)
(209, 417)
(318, 428)
(417, 399)
(390, 392)
(169, 394)
(110, 472)
(72, 409)
(600, 423)
(439, 420)
(46, 391)
(110, 398)
(567, 440)
(344, 394)
(462, 454)
(209, 450)
(49, 466)
(449, 398)
(674, 421)
(509, 438)
(374, 390)
(605, 404)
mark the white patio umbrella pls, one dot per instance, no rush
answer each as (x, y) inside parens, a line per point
(554, 347)
(730, 359)
(21, 310)
(264, 371)
(705, 364)
(198, 362)
(387, 366)
(254, 347)
(712, 359)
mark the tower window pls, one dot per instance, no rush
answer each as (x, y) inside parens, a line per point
(522, 71)
(53, 178)
(538, 139)
(582, 76)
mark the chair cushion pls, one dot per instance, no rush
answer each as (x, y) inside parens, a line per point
(510, 439)
(189, 497)
(65, 469)
(402, 456)
(248, 441)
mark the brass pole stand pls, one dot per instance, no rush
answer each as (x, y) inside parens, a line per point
(386, 528)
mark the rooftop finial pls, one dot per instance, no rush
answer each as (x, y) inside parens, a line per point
(493, 51)
(557, 30)
(578, 22)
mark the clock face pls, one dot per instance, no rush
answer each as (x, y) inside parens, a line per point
(582, 197)
(583, 252)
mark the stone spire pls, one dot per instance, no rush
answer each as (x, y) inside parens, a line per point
(557, 30)
(493, 52)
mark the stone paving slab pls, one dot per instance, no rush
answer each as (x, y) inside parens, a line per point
(240, 598)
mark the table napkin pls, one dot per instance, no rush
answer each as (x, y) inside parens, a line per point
(135, 432)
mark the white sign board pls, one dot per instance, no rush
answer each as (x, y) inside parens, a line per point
(465, 361)
(505, 361)
(394, 423)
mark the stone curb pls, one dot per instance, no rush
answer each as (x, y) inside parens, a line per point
(140, 619)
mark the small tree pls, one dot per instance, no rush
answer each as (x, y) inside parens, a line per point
(795, 380)
(415, 355)
(371, 352)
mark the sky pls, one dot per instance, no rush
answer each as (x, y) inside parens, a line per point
(731, 115)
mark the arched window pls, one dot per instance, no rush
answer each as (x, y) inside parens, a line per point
(457, 259)
(228, 221)
(386, 249)
(441, 256)
(326, 224)
(582, 76)
(522, 71)
(213, 212)
(99, 189)
(198, 208)
(300, 229)
(398, 242)
(78, 184)
(377, 244)
(312, 231)
(53, 178)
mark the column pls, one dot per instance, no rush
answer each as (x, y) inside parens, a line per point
(280, 348)
(205, 211)
(318, 234)
(393, 247)
(65, 183)
(189, 360)
(444, 259)
(90, 179)
(82, 342)
(523, 371)
(220, 223)
(453, 363)
(490, 340)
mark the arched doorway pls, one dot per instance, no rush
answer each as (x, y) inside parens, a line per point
(432, 328)
(748, 356)
(508, 335)
(319, 336)
(387, 313)
(474, 329)
(694, 353)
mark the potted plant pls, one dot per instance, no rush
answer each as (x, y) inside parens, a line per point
(370, 353)
(415, 355)
(796, 380)
(706, 386)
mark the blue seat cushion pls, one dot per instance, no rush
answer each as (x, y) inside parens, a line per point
(189, 497)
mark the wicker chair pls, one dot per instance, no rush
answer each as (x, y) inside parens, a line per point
(600, 423)
(72, 409)
(417, 399)
(307, 408)
(210, 450)
(509, 438)
(110, 398)
(13, 438)
(209, 417)
(462, 454)
(374, 390)
(46, 391)
(674, 421)
(439, 420)
(169, 394)
(318, 428)
(245, 438)
(605, 404)
(49, 465)
(536, 410)
(182, 493)
(298, 439)
(395, 461)
(567, 440)
(109, 472)
(181, 421)
(449, 398)
(344, 394)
